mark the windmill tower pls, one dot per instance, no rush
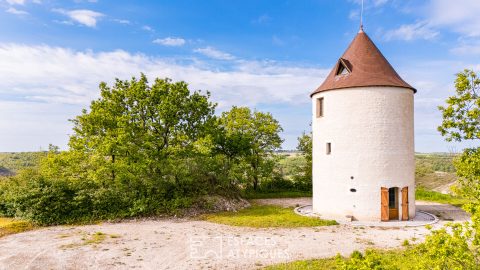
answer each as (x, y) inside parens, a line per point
(363, 141)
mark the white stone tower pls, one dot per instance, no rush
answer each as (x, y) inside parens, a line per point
(363, 142)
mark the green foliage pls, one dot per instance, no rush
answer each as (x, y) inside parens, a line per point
(252, 137)
(370, 259)
(468, 171)
(462, 113)
(318, 264)
(15, 162)
(139, 128)
(455, 246)
(305, 146)
(265, 216)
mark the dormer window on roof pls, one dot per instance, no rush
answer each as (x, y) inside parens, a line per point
(342, 68)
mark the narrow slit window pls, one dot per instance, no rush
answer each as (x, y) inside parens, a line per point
(329, 148)
(320, 107)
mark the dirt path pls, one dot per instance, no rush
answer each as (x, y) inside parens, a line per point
(188, 244)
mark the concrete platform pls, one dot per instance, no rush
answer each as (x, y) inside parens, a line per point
(421, 219)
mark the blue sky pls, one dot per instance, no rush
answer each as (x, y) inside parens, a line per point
(264, 54)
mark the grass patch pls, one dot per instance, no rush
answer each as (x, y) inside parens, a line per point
(433, 196)
(395, 259)
(91, 239)
(265, 216)
(11, 226)
(94, 239)
(279, 194)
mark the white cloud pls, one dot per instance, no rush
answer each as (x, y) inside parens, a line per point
(21, 2)
(122, 21)
(471, 48)
(82, 16)
(16, 2)
(60, 75)
(15, 11)
(419, 30)
(460, 15)
(148, 28)
(48, 85)
(170, 41)
(43, 86)
(214, 53)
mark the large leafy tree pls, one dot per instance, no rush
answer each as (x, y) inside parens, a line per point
(141, 127)
(252, 135)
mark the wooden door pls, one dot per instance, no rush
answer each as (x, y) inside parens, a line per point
(384, 204)
(405, 203)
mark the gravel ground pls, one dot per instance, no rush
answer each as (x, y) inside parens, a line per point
(193, 244)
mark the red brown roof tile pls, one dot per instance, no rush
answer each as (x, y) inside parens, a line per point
(365, 66)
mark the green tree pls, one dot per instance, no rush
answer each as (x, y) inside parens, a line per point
(461, 115)
(461, 121)
(254, 136)
(140, 127)
(305, 146)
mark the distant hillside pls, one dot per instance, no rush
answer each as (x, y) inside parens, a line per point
(10, 163)
(435, 171)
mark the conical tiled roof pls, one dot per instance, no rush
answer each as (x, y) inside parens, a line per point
(362, 64)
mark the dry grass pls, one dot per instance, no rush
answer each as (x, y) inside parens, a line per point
(11, 226)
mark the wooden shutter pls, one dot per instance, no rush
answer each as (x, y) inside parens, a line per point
(405, 203)
(384, 204)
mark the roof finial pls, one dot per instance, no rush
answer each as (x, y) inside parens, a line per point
(361, 18)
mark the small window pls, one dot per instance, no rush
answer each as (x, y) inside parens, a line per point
(329, 148)
(320, 107)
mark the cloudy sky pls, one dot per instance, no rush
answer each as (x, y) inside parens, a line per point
(268, 55)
